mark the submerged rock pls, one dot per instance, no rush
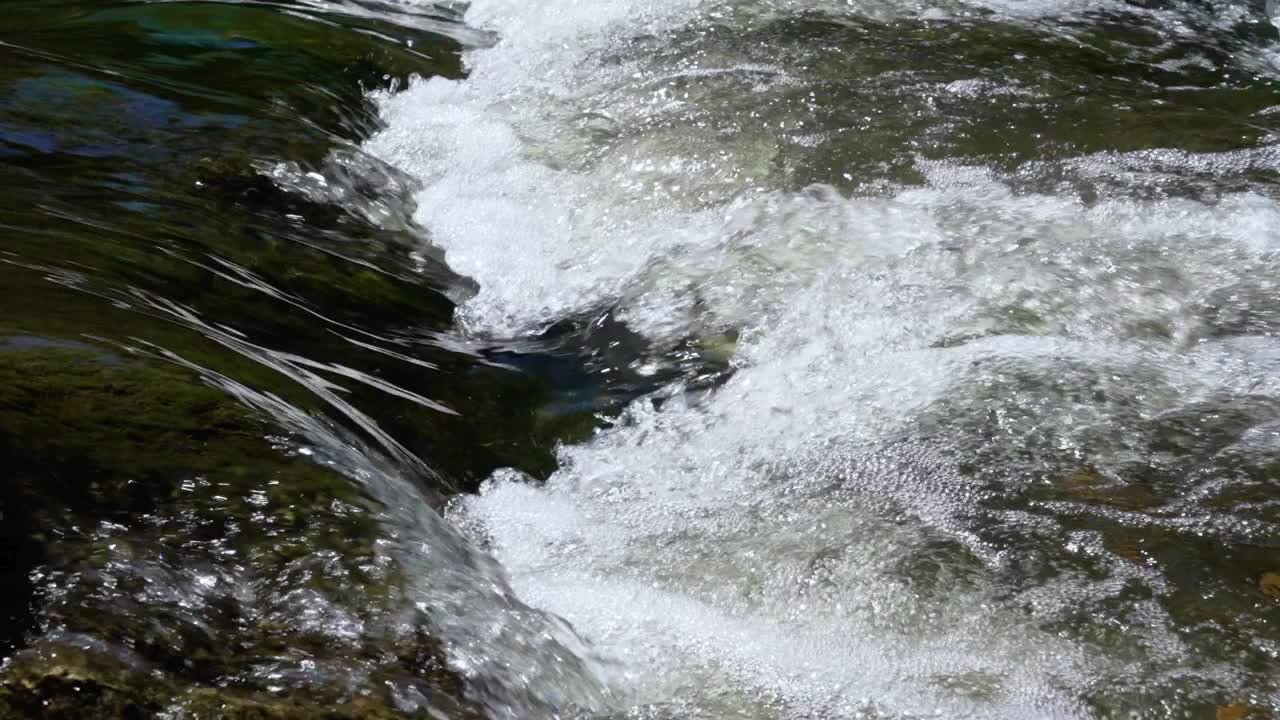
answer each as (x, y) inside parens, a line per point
(176, 559)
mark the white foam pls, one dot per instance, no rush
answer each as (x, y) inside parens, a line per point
(713, 514)
(801, 542)
(571, 161)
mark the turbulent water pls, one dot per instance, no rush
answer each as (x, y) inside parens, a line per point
(997, 285)
(880, 359)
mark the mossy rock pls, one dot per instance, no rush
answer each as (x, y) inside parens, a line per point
(174, 559)
(65, 682)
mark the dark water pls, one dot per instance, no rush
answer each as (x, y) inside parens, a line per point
(272, 296)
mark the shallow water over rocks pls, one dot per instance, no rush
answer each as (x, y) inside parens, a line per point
(651, 359)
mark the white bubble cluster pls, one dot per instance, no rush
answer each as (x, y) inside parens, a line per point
(809, 539)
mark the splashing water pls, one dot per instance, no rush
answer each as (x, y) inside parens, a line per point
(1000, 437)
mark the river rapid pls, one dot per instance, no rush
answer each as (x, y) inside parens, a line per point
(883, 359)
(995, 282)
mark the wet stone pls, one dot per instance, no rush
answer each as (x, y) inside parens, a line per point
(218, 577)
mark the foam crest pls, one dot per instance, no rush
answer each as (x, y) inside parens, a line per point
(598, 146)
(725, 510)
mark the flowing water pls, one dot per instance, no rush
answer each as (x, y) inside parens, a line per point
(710, 359)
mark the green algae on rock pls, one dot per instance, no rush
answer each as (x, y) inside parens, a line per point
(182, 561)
